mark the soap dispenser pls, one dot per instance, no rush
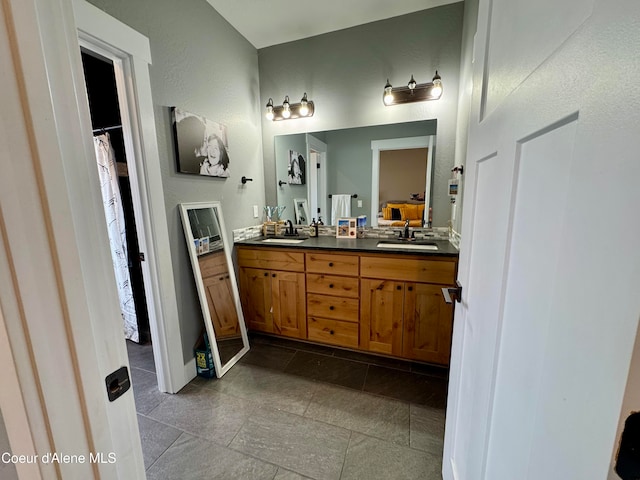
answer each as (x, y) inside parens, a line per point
(313, 228)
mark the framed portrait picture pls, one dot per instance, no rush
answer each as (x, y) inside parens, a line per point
(296, 170)
(201, 145)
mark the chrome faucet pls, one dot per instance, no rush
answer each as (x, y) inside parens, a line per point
(406, 228)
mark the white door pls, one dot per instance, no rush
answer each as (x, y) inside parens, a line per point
(549, 259)
(58, 305)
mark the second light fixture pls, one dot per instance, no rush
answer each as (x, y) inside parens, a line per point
(413, 92)
(288, 110)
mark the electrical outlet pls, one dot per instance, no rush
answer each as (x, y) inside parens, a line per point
(359, 203)
(255, 211)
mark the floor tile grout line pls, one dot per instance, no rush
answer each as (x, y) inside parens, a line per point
(164, 451)
(346, 451)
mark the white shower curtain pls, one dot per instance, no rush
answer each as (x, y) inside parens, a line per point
(114, 214)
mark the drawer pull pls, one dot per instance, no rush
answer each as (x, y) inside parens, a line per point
(331, 307)
(331, 332)
(331, 285)
(331, 264)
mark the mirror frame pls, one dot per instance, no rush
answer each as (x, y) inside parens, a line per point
(301, 206)
(202, 296)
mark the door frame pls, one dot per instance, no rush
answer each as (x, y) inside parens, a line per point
(317, 189)
(131, 54)
(57, 305)
(378, 146)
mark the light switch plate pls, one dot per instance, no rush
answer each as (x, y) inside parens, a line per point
(359, 203)
(255, 211)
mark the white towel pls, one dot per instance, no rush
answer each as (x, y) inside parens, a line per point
(340, 207)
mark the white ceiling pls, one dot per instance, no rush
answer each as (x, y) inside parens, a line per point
(271, 22)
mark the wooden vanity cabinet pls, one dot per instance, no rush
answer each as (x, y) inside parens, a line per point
(272, 291)
(403, 313)
(382, 303)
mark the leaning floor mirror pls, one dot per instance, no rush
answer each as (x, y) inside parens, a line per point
(210, 254)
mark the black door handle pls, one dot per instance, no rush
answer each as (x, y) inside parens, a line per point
(451, 294)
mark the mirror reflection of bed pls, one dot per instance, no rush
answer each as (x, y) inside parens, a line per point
(402, 188)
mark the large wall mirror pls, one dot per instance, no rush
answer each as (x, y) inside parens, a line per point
(404, 168)
(210, 254)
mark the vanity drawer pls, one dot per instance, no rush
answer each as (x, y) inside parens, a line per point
(328, 306)
(271, 259)
(411, 269)
(213, 264)
(335, 332)
(333, 285)
(333, 264)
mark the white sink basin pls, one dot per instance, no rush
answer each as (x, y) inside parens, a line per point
(407, 246)
(282, 240)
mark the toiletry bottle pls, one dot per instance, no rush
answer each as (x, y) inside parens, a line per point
(320, 222)
(313, 228)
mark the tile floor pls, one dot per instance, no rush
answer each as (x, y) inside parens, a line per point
(291, 410)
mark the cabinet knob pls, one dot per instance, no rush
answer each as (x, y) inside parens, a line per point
(398, 287)
(411, 289)
(273, 275)
(266, 274)
(221, 278)
(331, 264)
(331, 307)
(331, 332)
(331, 285)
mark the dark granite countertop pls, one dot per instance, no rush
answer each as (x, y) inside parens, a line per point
(445, 248)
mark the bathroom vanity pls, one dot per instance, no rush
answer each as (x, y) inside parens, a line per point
(351, 293)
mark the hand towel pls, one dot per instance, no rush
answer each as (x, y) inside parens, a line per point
(340, 207)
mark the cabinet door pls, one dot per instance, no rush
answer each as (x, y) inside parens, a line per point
(256, 297)
(428, 323)
(381, 316)
(221, 305)
(289, 309)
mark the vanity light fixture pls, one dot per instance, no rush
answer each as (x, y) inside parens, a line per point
(413, 92)
(288, 110)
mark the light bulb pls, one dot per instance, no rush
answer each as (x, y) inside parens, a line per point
(304, 106)
(269, 113)
(412, 83)
(436, 90)
(388, 96)
(286, 109)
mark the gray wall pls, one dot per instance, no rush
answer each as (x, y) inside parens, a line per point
(344, 74)
(203, 65)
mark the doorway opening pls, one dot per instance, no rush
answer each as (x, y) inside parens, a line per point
(106, 122)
